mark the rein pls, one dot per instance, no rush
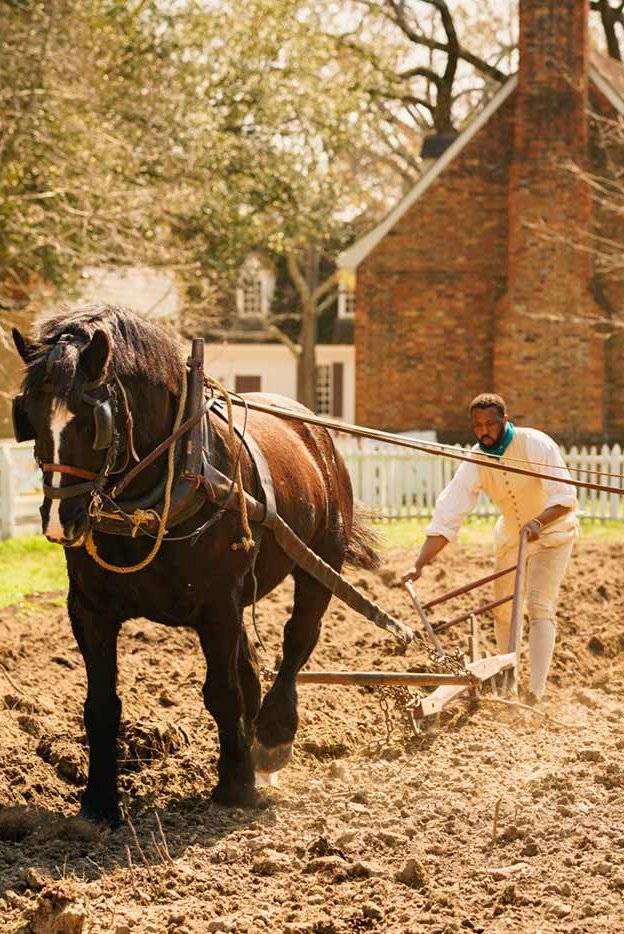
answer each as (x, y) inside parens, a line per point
(428, 447)
(72, 471)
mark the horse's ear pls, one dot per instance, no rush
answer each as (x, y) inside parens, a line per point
(95, 356)
(25, 347)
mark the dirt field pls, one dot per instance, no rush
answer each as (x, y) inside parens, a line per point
(500, 819)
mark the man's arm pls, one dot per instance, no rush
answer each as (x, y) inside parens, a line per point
(453, 505)
(432, 546)
(544, 453)
(550, 514)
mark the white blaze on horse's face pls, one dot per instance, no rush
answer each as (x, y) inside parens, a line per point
(60, 419)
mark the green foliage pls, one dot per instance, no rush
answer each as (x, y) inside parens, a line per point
(168, 131)
(30, 564)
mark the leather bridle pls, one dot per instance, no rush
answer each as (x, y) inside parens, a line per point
(107, 438)
(110, 404)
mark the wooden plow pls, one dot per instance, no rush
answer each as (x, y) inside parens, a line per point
(474, 673)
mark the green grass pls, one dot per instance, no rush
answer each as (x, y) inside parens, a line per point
(28, 565)
(404, 533)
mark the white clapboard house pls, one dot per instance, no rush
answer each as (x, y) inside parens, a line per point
(249, 355)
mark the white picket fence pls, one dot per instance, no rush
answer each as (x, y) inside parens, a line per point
(393, 482)
(398, 483)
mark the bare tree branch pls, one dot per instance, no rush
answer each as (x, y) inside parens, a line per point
(611, 17)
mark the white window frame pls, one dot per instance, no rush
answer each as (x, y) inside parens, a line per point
(346, 303)
(262, 281)
(324, 382)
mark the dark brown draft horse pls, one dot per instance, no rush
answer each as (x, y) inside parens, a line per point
(77, 361)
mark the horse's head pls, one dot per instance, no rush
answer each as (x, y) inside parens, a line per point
(67, 406)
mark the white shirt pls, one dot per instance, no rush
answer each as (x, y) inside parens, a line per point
(519, 498)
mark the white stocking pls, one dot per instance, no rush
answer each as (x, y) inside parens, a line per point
(541, 646)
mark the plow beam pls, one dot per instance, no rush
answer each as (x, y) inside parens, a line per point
(379, 678)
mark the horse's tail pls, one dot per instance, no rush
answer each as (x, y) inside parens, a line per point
(362, 550)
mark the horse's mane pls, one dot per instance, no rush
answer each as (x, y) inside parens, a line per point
(139, 348)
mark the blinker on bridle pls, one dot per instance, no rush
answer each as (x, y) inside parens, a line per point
(106, 437)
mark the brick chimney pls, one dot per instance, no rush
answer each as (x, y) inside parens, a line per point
(548, 356)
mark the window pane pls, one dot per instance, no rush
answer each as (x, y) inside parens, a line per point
(251, 298)
(324, 390)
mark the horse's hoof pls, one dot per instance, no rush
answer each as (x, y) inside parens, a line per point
(267, 779)
(270, 758)
(235, 796)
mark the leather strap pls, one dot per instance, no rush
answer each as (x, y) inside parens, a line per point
(261, 467)
(160, 449)
(66, 492)
(72, 471)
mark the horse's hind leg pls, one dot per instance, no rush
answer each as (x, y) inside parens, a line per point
(277, 721)
(231, 698)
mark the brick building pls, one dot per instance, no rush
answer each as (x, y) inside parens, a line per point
(475, 281)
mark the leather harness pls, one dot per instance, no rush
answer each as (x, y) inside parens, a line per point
(197, 480)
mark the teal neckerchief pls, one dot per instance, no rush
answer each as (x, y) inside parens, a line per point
(500, 449)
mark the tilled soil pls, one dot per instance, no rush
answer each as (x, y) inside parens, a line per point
(496, 818)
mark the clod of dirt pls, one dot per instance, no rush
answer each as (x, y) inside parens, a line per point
(608, 644)
(69, 759)
(338, 772)
(56, 913)
(16, 823)
(558, 909)
(325, 750)
(531, 849)
(166, 699)
(371, 910)
(32, 879)
(30, 725)
(330, 864)
(13, 702)
(322, 847)
(612, 777)
(587, 699)
(271, 863)
(389, 577)
(590, 755)
(144, 742)
(413, 874)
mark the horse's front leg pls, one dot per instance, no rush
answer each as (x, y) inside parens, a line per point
(97, 639)
(231, 680)
(277, 722)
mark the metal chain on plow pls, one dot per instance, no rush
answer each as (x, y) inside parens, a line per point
(405, 700)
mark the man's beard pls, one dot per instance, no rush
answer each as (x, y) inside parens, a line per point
(488, 442)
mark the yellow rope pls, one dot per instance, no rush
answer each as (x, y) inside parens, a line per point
(247, 541)
(141, 515)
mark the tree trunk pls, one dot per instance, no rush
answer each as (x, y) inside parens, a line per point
(306, 364)
(310, 294)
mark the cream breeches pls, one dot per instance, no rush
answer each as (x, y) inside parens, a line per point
(544, 574)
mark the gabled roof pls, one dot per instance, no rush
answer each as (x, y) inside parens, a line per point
(608, 76)
(604, 72)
